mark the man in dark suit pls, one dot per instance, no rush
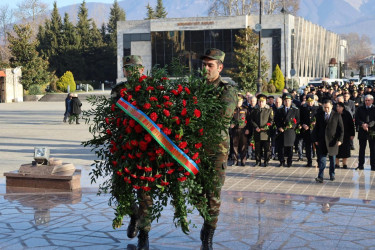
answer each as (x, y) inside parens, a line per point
(286, 120)
(262, 121)
(364, 121)
(307, 113)
(328, 135)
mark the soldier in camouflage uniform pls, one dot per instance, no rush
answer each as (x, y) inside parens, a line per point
(139, 220)
(212, 61)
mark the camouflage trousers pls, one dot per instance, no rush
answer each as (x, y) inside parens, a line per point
(143, 211)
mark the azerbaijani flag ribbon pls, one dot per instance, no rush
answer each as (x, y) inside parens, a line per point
(159, 136)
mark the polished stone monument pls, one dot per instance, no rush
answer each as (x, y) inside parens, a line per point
(45, 173)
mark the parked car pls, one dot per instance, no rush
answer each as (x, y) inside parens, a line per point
(318, 82)
(368, 80)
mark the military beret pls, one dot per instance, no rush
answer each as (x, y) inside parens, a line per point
(132, 60)
(262, 97)
(312, 89)
(369, 86)
(270, 96)
(214, 54)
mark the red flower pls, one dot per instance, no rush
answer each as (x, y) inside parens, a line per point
(174, 92)
(201, 131)
(133, 176)
(153, 116)
(180, 169)
(183, 112)
(158, 106)
(170, 171)
(184, 103)
(129, 97)
(178, 137)
(132, 123)
(268, 124)
(143, 145)
(182, 144)
(186, 151)
(118, 122)
(164, 183)
(161, 87)
(157, 176)
(166, 97)
(294, 120)
(134, 103)
(123, 157)
(128, 130)
(167, 131)
(159, 151)
(150, 179)
(198, 161)
(187, 90)
(147, 106)
(160, 125)
(137, 88)
(124, 122)
(139, 154)
(139, 167)
(162, 165)
(153, 98)
(197, 113)
(198, 145)
(187, 121)
(148, 138)
(164, 78)
(179, 88)
(123, 91)
(187, 173)
(138, 129)
(119, 173)
(166, 112)
(148, 169)
(127, 170)
(106, 120)
(108, 132)
(142, 78)
(182, 179)
(136, 187)
(177, 120)
(131, 156)
(114, 163)
(142, 178)
(169, 164)
(195, 156)
(168, 104)
(113, 107)
(150, 88)
(126, 179)
(195, 99)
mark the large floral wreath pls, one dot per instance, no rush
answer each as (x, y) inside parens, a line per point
(189, 111)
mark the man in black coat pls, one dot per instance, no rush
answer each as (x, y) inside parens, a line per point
(286, 121)
(76, 108)
(365, 121)
(328, 135)
(307, 113)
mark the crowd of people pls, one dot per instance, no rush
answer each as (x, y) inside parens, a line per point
(321, 121)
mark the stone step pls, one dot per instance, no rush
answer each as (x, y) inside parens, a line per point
(60, 97)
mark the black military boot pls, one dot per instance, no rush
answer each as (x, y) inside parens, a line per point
(133, 227)
(207, 233)
(143, 240)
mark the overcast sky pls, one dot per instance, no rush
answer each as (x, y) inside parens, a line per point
(60, 3)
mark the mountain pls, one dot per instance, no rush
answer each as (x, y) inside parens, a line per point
(339, 16)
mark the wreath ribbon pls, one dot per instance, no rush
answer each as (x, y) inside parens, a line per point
(164, 141)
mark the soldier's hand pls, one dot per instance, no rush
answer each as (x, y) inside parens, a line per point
(339, 143)
(232, 126)
(317, 143)
(257, 129)
(247, 132)
(305, 126)
(351, 137)
(365, 126)
(281, 130)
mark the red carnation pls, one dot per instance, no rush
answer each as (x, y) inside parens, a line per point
(124, 122)
(187, 121)
(113, 107)
(160, 125)
(198, 145)
(150, 179)
(106, 120)
(127, 170)
(167, 131)
(150, 88)
(184, 103)
(187, 173)
(178, 137)
(164, 78)
(142, 78)
(132, 123)
(169, 164)
(157, 176)
(143, 145)
(123, 91)
(118, 122)
(195, 99)
(139, 167)
(198, 161)
(294, 120)
(153, 116)
(133, 176)
(197, 113)
(138, 129)
(136, 187)
(131, 156)
(123, 157)
(139, 154)
(166, 112)
(166, 97)
(186, 151)
(177, 120)
(161, 87)
(201, 131)
(147, 106)
(119, 173)
(179, 88)
(114, 163)
(182, 144)
(168, 104)
(142, 178)
(129, 97)
(148, 138)
(137, 88)
(128, 130)
(162, 165)
(134, 103)
(153, 98)
(195, 156)
(126, 179)
(174, 92)
(164, 183)
(182, 179)
(148, 169)
(170, 171)
(187, 90)
(108, 132)
(159, 151)
(180, 169)
(183, 112)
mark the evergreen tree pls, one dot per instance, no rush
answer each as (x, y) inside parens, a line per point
(116, 14)
(23, 50)
(246, 57)
(160, 11)
(278, 78)
(150, 12)
(83, 27)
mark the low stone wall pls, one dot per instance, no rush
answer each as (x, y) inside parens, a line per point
(32, 98)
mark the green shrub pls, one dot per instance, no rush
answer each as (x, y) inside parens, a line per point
(90, 87)
(278, 78)
(271, 88)
(35, 90)
(66, 80)
(264, 87)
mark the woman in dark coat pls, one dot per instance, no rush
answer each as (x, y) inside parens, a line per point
(68, 106)
(76, 108)
(349, 132)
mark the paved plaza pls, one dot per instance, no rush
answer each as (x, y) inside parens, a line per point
(263, 208)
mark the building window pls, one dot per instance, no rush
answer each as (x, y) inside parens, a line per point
(135, 37)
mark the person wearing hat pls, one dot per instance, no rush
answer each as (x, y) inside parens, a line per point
(212, 63)
(262, 122)
(308, 112)
(328, 135)
(357, 99)
(240, 131)
(286, 121)
(76, 108)
(132, 63)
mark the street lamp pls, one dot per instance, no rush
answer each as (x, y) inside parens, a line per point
(259, 80)
(283, 10)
